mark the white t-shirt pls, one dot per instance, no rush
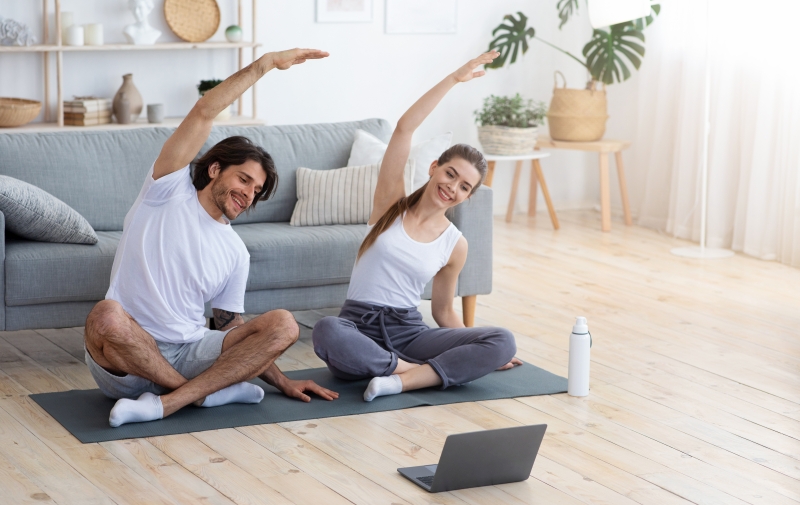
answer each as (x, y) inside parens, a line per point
(393, 272)
(173, 257)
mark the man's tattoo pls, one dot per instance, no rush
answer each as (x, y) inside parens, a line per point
(222, 318)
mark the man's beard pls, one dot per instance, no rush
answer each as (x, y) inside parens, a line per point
(219, 193)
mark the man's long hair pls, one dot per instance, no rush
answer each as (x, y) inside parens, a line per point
(235, 151)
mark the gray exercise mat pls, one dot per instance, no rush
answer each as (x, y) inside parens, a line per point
(84, 413)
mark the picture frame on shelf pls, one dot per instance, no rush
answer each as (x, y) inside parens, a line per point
(421, 16)
(344, 11)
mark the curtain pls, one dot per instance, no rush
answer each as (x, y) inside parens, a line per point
(754, 142)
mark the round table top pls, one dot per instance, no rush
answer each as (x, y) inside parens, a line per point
(533, 155)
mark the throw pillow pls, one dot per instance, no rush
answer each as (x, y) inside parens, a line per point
(340, 196)
(368, 149)
(35, 214)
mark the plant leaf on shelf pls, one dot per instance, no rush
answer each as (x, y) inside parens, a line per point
(607, 52)
(514, 34)
(566, 8)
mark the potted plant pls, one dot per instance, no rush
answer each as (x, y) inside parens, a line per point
(204, 86)
(508, 125)
(579, 114)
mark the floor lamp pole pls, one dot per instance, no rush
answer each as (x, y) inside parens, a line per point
(703, 251)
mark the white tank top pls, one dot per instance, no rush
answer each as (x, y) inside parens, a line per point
(393, 272)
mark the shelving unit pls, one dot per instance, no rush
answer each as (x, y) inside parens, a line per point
(59, 49)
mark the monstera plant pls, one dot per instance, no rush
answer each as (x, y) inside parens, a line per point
(607, 56)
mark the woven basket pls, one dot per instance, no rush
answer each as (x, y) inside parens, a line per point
(18, 111)
(577, 115)
(507, 141)
(192, 20)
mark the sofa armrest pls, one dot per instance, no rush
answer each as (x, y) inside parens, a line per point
(3, 270)
(474, 219)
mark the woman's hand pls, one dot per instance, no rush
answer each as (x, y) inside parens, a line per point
(467, 72)
(511, 364)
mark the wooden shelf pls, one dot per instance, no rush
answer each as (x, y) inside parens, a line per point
(168, 46)
(59, 49)
(170, 122)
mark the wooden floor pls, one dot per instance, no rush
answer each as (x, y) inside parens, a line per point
(695, 396)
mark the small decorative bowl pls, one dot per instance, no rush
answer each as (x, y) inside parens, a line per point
(18, 111)
(233, 33)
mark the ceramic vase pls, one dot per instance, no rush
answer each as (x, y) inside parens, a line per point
(129, 93)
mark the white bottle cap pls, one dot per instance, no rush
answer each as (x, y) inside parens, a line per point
(580, 328)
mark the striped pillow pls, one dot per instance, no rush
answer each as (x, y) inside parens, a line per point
(340, 196)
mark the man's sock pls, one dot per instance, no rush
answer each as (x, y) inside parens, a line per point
(243, 392)
(382, 386)
(147, 408)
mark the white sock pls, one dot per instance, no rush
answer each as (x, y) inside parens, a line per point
(147, 408)
(243, 392)
(382, 386)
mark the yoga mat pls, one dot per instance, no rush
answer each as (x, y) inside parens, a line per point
(84, 413)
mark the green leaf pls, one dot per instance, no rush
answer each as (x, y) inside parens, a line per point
(514, 35)
(644, 22)
(511, 111)
(610, 52)
(565, 10)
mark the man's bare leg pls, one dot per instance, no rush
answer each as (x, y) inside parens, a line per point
(118, 344)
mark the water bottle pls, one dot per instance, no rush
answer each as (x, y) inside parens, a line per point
(580, 342)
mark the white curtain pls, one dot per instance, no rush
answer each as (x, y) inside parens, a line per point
(754, 146)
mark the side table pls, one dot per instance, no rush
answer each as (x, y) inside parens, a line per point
(536, 176)
(604, 148)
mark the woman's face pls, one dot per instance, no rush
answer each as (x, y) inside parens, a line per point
(452, 182)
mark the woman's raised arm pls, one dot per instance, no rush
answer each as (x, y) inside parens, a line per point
(390, 187)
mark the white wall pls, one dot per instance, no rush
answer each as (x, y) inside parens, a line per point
(369, 74)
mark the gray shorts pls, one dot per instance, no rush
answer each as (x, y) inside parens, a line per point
(190, 360)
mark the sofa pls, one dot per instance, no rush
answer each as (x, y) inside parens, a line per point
(99, 174)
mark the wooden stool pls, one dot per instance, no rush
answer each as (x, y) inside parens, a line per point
(536, 176)
(603, 147)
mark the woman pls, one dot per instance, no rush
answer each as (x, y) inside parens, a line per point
(379, 332)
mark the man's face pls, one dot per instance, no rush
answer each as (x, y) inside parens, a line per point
(234, 188)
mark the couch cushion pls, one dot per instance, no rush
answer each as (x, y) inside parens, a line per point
(40, 272)
(283, 256)
(36, 214)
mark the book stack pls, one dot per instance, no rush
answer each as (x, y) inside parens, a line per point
(87, 111)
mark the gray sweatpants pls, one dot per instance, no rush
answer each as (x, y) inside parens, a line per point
(366, 341)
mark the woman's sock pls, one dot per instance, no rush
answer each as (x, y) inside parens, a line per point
(147, 408)
(243, 392)
(382, 386)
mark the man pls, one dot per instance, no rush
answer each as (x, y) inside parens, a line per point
(178, 252)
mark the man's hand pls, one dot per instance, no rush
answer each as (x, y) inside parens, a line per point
(467, 72)
(282, 60)
(511, 364)
(296, 389)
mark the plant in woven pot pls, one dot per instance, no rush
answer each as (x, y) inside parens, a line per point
(509, 125)
(204, 86)
(579, 114)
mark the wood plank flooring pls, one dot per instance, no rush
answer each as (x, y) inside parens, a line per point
(695, 395)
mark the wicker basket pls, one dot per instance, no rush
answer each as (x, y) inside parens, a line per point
(577, 115)
(192, 20)
(18, 111)
(507, 141)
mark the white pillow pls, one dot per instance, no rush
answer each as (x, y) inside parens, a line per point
(340, 196)
(368, 149)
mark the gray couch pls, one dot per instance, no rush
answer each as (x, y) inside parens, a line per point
(99, 174)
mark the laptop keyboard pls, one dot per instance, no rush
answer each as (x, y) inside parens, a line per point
(426, 480)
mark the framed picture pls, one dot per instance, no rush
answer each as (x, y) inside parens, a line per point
(344, 11)
(421, 16)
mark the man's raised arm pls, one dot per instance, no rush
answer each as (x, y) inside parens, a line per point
(181, 148)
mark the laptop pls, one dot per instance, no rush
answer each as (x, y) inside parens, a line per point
(481, 458)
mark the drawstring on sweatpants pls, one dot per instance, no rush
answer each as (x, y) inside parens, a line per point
(380, 313)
